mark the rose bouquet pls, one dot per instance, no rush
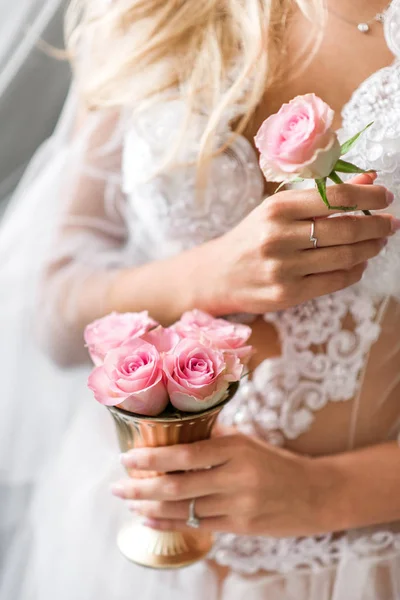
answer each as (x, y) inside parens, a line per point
(146, 369)
(165, 386)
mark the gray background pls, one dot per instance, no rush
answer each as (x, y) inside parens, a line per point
(31, 103)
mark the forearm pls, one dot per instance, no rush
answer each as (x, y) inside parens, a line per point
(167, 288)
(76, 295)
(359, 488)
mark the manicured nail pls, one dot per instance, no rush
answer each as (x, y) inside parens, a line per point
(118, 489)
(389, 197)
(395, 225)
(127, 460)
(153, 523)
(383, 245)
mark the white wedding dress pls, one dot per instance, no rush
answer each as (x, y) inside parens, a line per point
(335, 386)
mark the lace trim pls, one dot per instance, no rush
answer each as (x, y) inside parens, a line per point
(392, 27)
(167, 212)
(252, 554)
(378, 100)
(280, 399)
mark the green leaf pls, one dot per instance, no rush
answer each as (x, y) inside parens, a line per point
(347, 146)
(345, 167)
(321, 186)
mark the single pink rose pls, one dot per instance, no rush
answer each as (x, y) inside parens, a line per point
(113, 330)
(198, 375)
(131, 377)
(223, 334)
(298, 141)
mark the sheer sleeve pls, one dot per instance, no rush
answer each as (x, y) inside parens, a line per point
(90, 242)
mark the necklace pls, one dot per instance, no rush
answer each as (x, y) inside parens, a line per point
(364, 26)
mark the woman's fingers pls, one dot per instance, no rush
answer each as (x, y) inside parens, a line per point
(182, 457)
(340, 258)
(213, 524)
(183, 486)
(345, 230)
(308, 204)
(208, 506)
(328, 283)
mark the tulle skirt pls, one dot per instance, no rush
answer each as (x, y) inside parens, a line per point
(66, 548)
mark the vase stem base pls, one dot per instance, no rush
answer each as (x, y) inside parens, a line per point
(163, 549)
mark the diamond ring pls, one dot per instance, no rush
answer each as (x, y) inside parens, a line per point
(192, 521)
(313, 239)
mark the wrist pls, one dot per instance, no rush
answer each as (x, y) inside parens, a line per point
(208, 291)
(329, 494)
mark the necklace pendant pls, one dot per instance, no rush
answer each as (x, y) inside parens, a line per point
(363, 27)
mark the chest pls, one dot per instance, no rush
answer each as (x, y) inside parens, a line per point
(332, 68)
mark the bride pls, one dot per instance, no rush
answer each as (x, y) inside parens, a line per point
(149, 197)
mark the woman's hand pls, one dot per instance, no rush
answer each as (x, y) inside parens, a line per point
(268, 263)
(240, 485)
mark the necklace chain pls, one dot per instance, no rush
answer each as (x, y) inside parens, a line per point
(364, 26)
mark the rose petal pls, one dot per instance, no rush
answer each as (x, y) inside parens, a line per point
(189, 403)
(98, 382)
(164, 339)
(150, 402)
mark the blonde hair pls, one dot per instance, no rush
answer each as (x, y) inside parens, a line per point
(216, 53)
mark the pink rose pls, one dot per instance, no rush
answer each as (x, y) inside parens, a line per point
(131, 377)
(223, 334)
(298, 141)
(198, 375)
(113, 330)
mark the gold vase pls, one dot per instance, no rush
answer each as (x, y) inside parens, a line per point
(141, 544)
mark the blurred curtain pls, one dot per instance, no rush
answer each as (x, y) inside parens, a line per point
(33, 87)
(33, 84)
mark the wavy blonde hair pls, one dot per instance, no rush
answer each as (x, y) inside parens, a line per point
(216, 53)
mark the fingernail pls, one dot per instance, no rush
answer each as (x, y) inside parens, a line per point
(389, 197)
(383, 245)
(152, 523)
(395, 225)
(118, 489)
(373, 175)
(127, 460)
